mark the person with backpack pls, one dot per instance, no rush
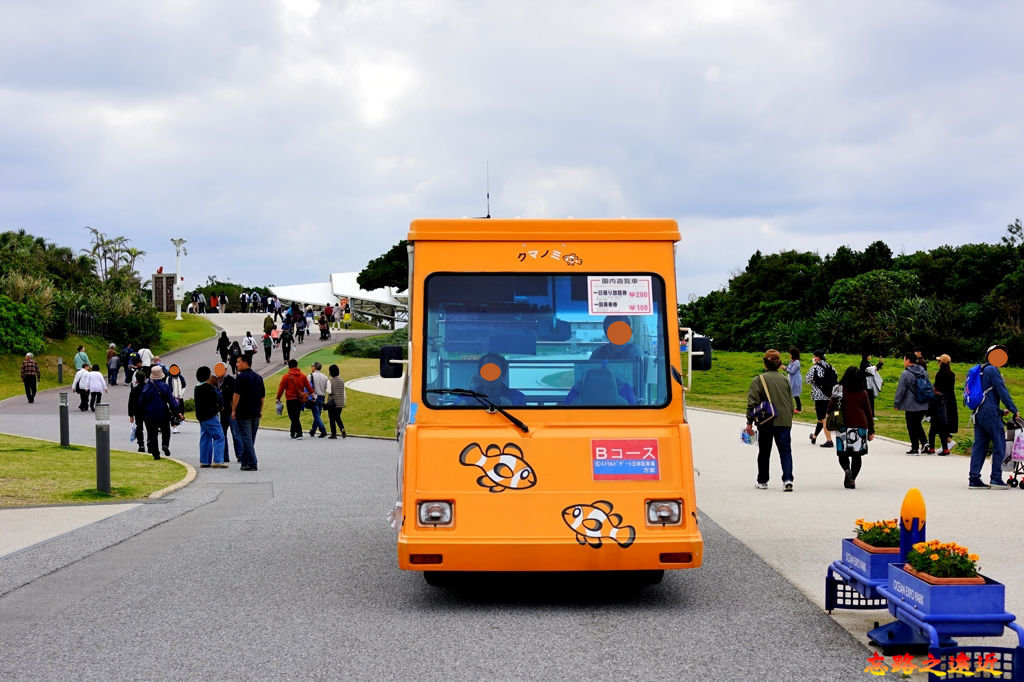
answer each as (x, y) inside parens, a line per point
(914, 393)
(943, 409)
(983, 392)
(822, 379)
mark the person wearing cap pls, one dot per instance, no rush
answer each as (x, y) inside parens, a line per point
(156, 405)
(988, 421)
(822, 379)
(943, 408)
(30, 376)
(209, 404)
(771, 385)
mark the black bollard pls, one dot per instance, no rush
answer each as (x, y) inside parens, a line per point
(65, 435)
(103, 447)
(60, 371)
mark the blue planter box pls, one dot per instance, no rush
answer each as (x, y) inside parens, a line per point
(954, 610)
(868, 564)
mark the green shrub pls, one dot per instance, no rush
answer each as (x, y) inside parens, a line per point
(369, 346)
(21, 328)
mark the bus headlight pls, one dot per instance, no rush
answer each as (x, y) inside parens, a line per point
(664, 512)
(435, 513)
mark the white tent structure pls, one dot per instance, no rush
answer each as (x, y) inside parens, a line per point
(380, 306)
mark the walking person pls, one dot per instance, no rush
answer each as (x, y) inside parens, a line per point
(796, 383)
(297, 391)
(943, 409)
(157, 405)
(772, 386)
(146, 357)
(249, 346)
(319, 383)
(176, 381)
(134, 413)
(223, 346)
(96, 385)
(872, 378)
(335, 401)
(234, 353)
(268, 345)
(30, 376)
(113, 364)
(208, 405)
(822, 379)
(226, 387)
(128, 357)
(246, 411)
(858, 423)
(80, 385)
(81, 358)
(286, 342)
(988, 421)
(906, 401)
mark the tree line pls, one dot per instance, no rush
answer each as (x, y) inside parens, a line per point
(957, 300)
(40, 282)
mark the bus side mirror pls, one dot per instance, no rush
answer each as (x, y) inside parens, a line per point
(389, 370)
(700, 353)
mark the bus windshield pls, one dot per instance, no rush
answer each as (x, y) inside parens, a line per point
(545, 341)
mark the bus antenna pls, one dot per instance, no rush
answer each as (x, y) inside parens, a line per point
(488, 172)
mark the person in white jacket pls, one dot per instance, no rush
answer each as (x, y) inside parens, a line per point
(97, 385)
(81, 387)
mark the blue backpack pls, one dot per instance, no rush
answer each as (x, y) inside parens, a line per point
(974, 395)
(923, 390)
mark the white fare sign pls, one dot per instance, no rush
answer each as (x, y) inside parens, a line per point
(619, 295)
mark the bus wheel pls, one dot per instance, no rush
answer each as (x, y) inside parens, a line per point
(435, 578)
(649, 577)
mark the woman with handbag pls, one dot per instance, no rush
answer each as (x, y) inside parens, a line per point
(849, 411)
(770, 406)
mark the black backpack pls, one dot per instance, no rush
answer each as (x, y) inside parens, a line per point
(829, 379)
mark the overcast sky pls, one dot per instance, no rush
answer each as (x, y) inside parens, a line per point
(289, 139)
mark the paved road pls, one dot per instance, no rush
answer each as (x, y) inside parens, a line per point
(290, 573)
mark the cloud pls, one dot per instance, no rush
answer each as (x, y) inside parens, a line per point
(286, 140)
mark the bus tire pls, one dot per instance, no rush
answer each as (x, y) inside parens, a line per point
(435, 578)
(649, 577)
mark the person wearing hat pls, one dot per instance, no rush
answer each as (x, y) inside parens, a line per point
(157, 405)
(988, 421)
(30, 376)
(943, 409)
(822, 378)
(772, 386)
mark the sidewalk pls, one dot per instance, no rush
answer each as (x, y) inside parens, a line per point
(799, 533)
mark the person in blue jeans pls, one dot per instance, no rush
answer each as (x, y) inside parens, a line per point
(988, 422)
(772, 386)
(318, 381)
(246, 411)
(208, 405)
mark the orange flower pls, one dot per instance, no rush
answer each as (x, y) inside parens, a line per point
(934, 557)
(973, 557)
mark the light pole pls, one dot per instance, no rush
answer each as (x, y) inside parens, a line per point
(179, 288)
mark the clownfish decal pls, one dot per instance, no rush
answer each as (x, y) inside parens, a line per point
(594, 521)
(504, 468)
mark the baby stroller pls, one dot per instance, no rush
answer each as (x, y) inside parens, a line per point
(325, 332)
(1013, 460)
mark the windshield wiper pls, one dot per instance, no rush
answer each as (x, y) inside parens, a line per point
(485, 401)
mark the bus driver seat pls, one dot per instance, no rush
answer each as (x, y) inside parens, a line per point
(600, 388)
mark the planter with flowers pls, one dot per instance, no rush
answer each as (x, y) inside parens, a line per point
(940, 587)
(875, 545)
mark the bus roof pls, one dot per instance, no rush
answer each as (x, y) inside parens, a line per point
(523, 229)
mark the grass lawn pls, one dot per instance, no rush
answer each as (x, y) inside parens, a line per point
(725, 387)
(189, 330)
(34, 472)
(365, 414)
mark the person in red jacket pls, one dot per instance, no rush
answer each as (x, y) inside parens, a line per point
(858, 423)
(297, 390)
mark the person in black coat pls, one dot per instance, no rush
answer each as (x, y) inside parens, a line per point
(134, 415)
(943, 409)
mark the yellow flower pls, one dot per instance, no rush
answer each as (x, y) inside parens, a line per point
(859, 522)
(934, 557)
(973, 557)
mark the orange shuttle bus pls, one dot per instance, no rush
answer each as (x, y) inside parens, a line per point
(542, 426)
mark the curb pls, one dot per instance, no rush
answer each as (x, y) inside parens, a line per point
(190, 476)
